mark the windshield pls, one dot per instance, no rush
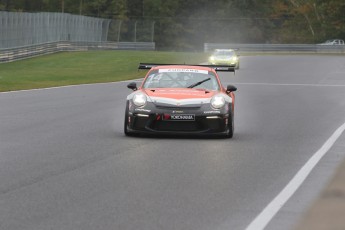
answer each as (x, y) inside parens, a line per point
(181, 78)
(224, 53)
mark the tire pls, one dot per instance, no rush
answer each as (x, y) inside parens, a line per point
(125, 126)
(230, 126)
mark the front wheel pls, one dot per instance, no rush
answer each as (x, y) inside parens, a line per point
(230, 125)
(125, 126)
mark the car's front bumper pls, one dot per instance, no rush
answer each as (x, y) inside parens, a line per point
(205, 122)
(224, 62)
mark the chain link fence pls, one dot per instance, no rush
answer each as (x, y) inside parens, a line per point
(131, 31)
(25, 35)
(18, 29)
(22, 29)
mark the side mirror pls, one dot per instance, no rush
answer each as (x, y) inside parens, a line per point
(132, 86)
(231, 88)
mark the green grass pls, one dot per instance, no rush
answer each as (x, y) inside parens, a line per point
(72, 68)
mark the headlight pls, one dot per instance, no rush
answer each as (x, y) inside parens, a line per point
(217, 102)
(235, 58)
(211, 58)
(139, 99)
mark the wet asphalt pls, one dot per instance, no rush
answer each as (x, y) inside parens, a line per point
(66, 164)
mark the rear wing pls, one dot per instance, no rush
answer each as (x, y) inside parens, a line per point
(218, 68)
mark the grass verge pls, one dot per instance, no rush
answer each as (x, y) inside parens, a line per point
(73, 68)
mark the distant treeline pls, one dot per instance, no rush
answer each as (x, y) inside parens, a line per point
(187, 24)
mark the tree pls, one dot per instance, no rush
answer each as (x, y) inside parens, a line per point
(188, 24)
(308, 21)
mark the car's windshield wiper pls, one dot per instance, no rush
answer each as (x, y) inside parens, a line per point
(199, 83)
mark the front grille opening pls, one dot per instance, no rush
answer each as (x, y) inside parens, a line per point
(189, 126)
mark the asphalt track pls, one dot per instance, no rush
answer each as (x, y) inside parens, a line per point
(66, 164)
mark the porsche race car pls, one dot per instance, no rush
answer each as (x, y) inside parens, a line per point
(180, 99)
(225, 57)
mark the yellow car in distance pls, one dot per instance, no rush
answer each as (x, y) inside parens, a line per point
(224, 57)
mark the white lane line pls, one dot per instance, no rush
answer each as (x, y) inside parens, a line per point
(67, 86)
(266, 215)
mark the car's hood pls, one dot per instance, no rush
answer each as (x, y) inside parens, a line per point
(223, 57)
(179, 96)
(179, 93)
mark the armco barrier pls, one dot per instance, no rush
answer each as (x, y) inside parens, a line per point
(293, 48)
(19, 53)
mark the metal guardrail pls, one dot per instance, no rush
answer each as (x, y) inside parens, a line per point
(19, 53)
(292, 48)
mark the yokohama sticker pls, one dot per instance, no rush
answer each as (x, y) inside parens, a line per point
(179, 117)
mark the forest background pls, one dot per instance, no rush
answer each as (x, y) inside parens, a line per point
(188, 24)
